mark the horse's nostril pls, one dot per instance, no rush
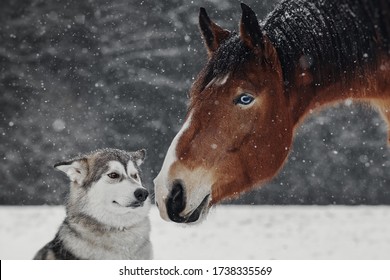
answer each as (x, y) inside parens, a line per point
(141, 194)
(176, 202)
(177, 193)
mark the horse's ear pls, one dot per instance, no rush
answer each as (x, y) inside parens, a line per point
(213, 34)
(250, 31)
(252, 35)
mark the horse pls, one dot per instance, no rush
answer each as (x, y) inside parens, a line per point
(258, 85)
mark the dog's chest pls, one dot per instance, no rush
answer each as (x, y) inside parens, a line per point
(119, 244)
(124, 245)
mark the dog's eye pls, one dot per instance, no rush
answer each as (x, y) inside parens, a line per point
(113, 175)
(134, 176)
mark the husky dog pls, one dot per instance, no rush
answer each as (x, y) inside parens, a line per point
(106, 211)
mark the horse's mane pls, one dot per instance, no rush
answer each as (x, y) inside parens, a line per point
(229, 58)
(334, 38)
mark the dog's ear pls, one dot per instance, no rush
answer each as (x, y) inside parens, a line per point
(76, 169)
(139, 156)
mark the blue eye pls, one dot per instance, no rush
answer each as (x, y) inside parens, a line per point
(244, 99)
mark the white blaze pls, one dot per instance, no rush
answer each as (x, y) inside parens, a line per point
(161, 182)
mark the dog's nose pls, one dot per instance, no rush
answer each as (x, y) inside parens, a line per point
(141, 194)
(176, 202)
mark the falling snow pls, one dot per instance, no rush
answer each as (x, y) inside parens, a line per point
(77, 76)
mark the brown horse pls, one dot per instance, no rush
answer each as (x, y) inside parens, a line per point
(259, 84)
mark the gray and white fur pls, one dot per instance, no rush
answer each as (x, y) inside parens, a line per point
(106, 210)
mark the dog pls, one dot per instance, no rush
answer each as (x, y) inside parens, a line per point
(106, 211)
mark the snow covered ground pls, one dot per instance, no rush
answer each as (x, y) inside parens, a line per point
(230, 232)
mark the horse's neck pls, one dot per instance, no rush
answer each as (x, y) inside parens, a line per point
(329, 50)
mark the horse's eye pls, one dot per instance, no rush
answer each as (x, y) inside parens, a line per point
(244, 99)
(113, 175)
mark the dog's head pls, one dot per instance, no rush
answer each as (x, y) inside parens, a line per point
(106, 185)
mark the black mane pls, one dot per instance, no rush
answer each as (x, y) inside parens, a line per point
(335, 39)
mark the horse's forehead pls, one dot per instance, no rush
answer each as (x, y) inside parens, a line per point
(218, 81)
(226, 61)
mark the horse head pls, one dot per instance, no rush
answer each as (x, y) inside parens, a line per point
(238, 129)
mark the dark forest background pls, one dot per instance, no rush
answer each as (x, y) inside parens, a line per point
(80, 75)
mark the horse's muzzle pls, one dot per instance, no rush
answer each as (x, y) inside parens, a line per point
(176, 203)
